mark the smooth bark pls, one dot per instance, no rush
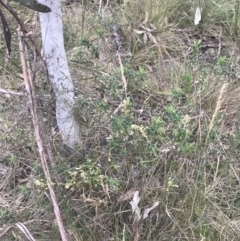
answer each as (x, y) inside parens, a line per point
(55, 56)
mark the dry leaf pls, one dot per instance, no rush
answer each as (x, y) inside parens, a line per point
(153, 27)
(145, 38)
(148, 210)
(153, 39)
(138, 31)
(137, 233)
(146, 28)
(135, 209)
(149, 68)
(122, 73)
(126, 196)
(146, 18)
(198, 16)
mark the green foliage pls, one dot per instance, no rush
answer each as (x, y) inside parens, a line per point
(156, 129)
(152, 136)
(221, 65)
(13, 158)
(187, 83)
(173, 113)
(180, 129)
(196, 46)
(88, 173)
(6, 216)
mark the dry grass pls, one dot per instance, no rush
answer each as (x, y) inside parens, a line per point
(169, 130)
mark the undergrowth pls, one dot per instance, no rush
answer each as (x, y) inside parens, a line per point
(172, 132)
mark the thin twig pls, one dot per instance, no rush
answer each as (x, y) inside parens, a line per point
(22, 26)
(122, 74)
(5, 231)
(25, 231)
(10, 92)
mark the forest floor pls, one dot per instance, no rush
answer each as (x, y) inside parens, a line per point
(158, 109)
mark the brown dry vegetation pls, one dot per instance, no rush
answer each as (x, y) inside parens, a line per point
(172, 132)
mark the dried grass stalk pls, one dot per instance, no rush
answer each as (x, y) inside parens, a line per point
(44, 155)
(218, 105)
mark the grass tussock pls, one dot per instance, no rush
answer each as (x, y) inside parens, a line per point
(158, 108)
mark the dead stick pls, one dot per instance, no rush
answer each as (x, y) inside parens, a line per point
(5, 231)
(42, 153)
(10, 92)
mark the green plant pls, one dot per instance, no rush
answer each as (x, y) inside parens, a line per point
(156, 129)
(88, 173)
(6, 215)
(173, 114)
(196, 46)
(187, 84)
(221, 65)
(161, 133)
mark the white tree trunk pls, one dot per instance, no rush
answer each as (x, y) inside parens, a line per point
(55, 56)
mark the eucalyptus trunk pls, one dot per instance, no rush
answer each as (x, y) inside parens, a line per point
(60, 78)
